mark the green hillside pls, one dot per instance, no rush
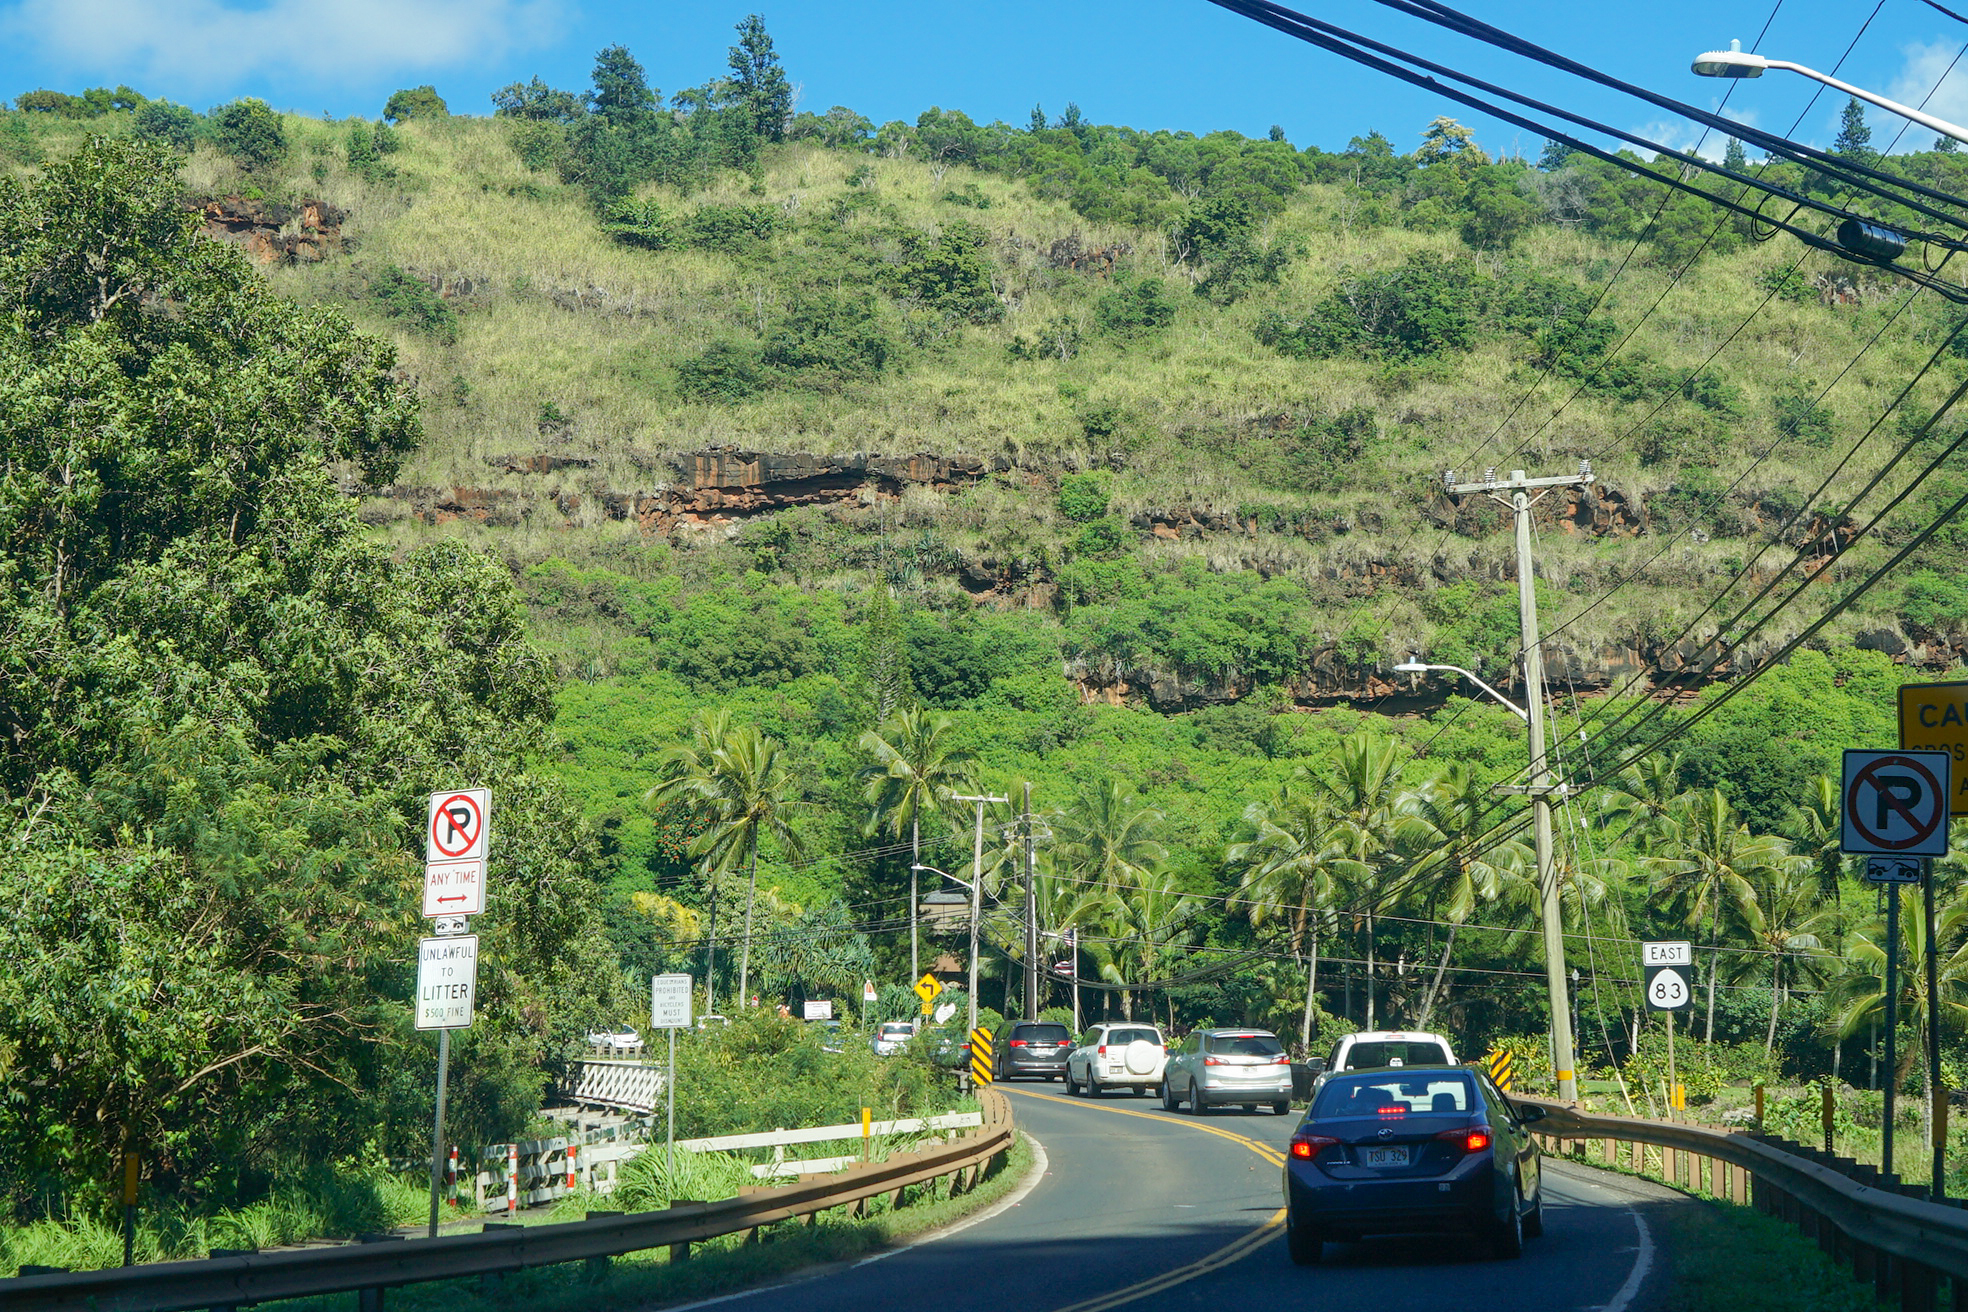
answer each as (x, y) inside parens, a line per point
(614, 443)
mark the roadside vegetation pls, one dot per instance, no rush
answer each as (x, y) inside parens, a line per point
(285, 547)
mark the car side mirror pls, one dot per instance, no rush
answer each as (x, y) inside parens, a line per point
(1528, 1112)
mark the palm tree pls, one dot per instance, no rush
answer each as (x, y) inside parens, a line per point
(1106, 841)
(1157, 915)
(1373, 822)
(736, 781)
(1291, 867)
(1860, 993)
(1641, 804)
(916, 768)
(1462, 867)
(1711, 872)
(1784, 924)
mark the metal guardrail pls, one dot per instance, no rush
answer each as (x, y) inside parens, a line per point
(1904, 1246)
(262, 1277)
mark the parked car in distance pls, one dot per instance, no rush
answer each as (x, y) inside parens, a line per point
(1412, 1149)
(1217, 1067)
(622, 1040)
(890, 1037)
(1117, 1055)
(1031, 1049)
(712, 1021)
(1372, 1048)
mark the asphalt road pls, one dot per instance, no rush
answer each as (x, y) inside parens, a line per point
(1141, 1209)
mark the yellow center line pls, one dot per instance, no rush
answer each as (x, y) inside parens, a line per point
(1222, 1257)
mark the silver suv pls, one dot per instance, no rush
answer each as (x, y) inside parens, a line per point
(1117, 1055)
(1215, 1067)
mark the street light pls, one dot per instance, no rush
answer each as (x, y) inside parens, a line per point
(1417, 667)
(1737, 62)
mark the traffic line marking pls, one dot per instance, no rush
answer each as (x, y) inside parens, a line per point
(1234, 1251)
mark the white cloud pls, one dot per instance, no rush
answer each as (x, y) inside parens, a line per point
(1925, 67)
(201, 45)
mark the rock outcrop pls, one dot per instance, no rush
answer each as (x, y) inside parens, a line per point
(295, 234)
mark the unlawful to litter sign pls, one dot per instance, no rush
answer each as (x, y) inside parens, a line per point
(447, 981)
(1895, 803)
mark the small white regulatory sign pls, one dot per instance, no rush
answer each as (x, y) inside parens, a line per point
(454, 888)
(822, 1009)
(669, 1002)
(447, 981)
(1667, 954)
(459, 822)
(1895, 803)
(1668, 988)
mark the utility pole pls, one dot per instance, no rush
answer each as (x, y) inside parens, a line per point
(1031, 915)
(976, 896)
(1516, 492)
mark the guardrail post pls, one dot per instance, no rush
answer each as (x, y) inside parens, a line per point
(371, 1300)
(680, 1252)
(597, 1267)
(1917, 1287)
(229, 1252)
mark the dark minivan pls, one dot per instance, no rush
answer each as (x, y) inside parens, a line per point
(1033, 1049)
(1408, 1149)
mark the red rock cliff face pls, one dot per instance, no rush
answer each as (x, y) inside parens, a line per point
(292, 234)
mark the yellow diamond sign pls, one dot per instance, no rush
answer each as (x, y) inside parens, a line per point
(927, 988)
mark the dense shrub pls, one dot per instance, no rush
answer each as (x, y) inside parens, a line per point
(415, 102)
(250, 132)
(1134, 310)
(1424, 308)
(1083, 497)
(639, 223)
(413, 302)
(722, 371)
(167, 124)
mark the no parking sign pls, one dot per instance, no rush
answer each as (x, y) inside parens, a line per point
(1895, 803)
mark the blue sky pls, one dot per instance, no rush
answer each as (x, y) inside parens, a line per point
(1178, 64)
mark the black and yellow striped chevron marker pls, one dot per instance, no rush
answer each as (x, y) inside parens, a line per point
(1502, 1067)
(980, 1056)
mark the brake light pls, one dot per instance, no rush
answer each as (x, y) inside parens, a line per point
(1474, 1138)
(1398, 1109)
(1016, 1043)
(1306, 1146)
(1211, 1061)
(1103, 1050)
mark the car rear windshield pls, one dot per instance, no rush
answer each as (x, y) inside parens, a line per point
(1041, 1033)
(1396, 1052)
(1245, 1045)
(896, 1027)
(1440, 1093)
(1133, 1036)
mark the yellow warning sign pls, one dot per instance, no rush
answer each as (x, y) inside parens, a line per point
(928, 987)
(980, 1056)
(1502, 1068)
(1934, 717)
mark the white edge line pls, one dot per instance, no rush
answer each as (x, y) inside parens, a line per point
(1016, 1196)
(1643, 1262)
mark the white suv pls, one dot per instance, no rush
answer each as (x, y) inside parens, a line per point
(1390, 1048)
(1117, 1055)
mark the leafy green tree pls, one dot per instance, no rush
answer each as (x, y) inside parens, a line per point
(1446, 141)
(223, 709)
(758, 81)
(916, 766)
(251, 132)
(415, 102)
(1135, 310)
(539, 102)
(1734, 158)
(1854, 140)
(622, 93)
(725, 372)
(167, 124)
(1498, 212)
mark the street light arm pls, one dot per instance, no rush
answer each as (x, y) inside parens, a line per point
(946, 874)
(1736, 63)
(1416, 667)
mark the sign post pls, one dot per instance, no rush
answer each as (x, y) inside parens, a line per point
(1670, 986)
(1896, 806)
(669, 1009)
(457, 828)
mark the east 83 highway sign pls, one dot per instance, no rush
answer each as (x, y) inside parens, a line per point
(1669, 988)
(1895, 803)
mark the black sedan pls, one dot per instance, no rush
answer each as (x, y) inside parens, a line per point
(1032, 1049)
(1412, 1149)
